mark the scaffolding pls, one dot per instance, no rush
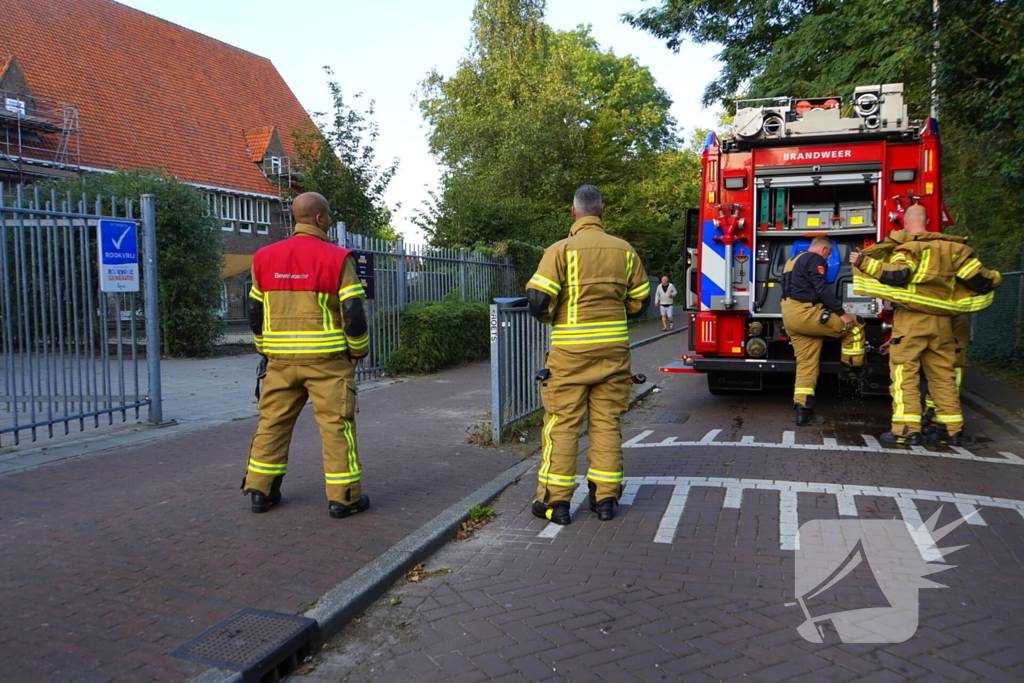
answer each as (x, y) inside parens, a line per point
(38, 137)
(282, 172)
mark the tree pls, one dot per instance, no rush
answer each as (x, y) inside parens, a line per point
(189, 249)
(530, 115)
(336, 158)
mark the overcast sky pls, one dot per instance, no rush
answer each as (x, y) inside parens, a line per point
(385, 48)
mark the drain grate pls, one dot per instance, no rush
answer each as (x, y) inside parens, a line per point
(256, 643)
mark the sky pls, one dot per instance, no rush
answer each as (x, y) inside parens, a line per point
(384, 49)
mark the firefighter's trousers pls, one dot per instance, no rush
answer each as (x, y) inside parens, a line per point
(923, 341)
(806, 332)
(332, 387)
(580, 384)
(962, 334)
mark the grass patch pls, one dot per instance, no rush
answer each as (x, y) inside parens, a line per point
(479, 517)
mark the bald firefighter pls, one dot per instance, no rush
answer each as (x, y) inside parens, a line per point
(308, 315)
(811, 311)
(931, 278)
(585, 286)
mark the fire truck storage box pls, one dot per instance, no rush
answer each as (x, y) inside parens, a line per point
(856, 215)
(813, 216)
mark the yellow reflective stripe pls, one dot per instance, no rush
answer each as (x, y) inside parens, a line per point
(870, 265)
(640, 291)
(630, 256)
(968, 268)
(574, 286)
(600, 340)
(853, 351)
(266, 314)
(949, 418)
(258, 340)
(256, 294)
(965, 305)
(267, 468)
(959, 378)
(897, 391)
(351, 291)
(343, 477)
(548, 446)
(930, 403)
(547, 285)
(803, 391)
(922, 269)
(906, 418)
(328, 319)
(598, 475)
(558, 479)
(360, 343)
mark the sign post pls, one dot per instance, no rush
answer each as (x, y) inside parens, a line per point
(118, 246)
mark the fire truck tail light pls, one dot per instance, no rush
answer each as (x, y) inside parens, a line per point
(711, 197)
(736, 183)
(904, 176)
(929, 188)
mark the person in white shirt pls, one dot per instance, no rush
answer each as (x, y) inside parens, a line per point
(664, 296)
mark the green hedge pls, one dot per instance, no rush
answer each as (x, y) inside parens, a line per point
(440, 335)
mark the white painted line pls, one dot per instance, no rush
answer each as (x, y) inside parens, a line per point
(673, 513)
(789, 521)
(922, 538)
(710, 436)
(847, 506)
(968, 510)
(638, 438)
(788, 442)
(829, 442)
(629, 494)
(733, 497)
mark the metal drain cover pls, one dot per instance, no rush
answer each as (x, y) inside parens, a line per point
(252, 641)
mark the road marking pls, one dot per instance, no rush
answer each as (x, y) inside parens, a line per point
(829, 444)
(789, 522)
(673, 513)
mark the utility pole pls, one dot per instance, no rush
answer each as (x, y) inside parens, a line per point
(935, 61)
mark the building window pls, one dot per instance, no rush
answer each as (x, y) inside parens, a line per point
(228, 210)
(244, 214)
(14, 105)
(275, 165)
(211, 203)
(262, 216)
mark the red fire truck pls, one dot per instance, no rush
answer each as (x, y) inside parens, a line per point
(793, 169)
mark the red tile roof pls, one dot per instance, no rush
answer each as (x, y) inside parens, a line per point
(151, 93)
(257, 140)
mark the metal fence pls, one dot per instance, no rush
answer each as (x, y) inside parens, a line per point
(70, 354)
(998, 331)
(414, 273)
(518, 346)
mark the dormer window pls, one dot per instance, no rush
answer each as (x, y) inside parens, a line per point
(14, 105)
(275, 165)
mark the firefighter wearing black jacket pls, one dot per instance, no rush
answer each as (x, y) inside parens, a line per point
(810, 312)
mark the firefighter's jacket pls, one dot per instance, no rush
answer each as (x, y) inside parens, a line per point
(803, 279)
(586, 286)
(308, 305)
(926, 272)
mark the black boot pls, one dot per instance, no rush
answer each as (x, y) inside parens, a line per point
(556, 513)
(262, 502)
(605, 508)
(341, 510)
(806, 416)
(938, 434)
(901, 439)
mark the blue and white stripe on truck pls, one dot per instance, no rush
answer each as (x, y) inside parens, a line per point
(712, 265)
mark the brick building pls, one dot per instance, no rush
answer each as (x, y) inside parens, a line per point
(93, 85)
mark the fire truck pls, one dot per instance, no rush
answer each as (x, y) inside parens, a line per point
(793, 169)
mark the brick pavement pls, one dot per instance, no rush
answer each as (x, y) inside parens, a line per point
(600, 602)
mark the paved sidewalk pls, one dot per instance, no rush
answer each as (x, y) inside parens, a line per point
(114, 560)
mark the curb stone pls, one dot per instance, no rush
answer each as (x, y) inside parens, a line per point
(1010, 424)
(352, 596)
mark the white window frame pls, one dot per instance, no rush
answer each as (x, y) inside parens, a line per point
(262, 216)
(228, 211)
(245, 214)
(275, 165)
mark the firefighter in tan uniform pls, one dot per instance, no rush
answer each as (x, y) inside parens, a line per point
(931, 278)
(585, 286)
(810, 312)
(308, 315)
(961, 335)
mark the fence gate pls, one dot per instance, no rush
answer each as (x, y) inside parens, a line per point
(69, 353)
(518, 348)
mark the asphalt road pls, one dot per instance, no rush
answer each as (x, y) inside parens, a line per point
(696, 577)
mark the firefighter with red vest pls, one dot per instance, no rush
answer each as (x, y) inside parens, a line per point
(308, 316)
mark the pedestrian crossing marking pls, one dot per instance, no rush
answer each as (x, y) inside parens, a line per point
(968, 505)
(828, 444)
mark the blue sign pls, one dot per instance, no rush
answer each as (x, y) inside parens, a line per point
(118, 246)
